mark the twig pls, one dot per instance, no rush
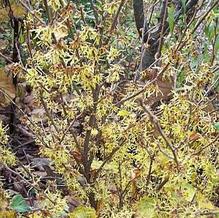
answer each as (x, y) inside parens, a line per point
(108, 158)
(6, 58)
(73, 134)
(208, 145)
(31, 12)
(143, 89)
(91, 124)
(31, 184)
(113, 26)
(150, 168)
(47, 11)
(163, 183)
(158, 127)
(48, 113)
(162, 28)
(95, 12)
(204, 16)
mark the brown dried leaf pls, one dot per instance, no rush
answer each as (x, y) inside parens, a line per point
(7, 89)
(164, 87)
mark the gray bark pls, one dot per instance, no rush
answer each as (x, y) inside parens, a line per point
(152, 38)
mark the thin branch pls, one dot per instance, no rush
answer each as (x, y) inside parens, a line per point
(144, 88)
(115, 20)
(152, 11)
(150, 168)
(48, 113)
(31, 184)
(108, 158)
(158, 127)
(73, 134)
(31, 12)
(48, 11)
(208, 145)
(204, 16)
(91, 124)
(162, 28)
(6, 58)
(163, 183)
(94, 11)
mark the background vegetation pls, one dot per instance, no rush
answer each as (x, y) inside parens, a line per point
(109, 108)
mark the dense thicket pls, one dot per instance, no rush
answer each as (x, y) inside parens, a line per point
(109, 108)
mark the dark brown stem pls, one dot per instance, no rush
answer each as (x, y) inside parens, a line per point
(91, 124)
(95, 12)
(204, 16)
(47, 10)
(108, 158)
(214, 42)
(150, 169)
(163, 183)
(31, 12)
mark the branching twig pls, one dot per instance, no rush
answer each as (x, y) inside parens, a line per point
(158, 127)
(208, 145)
(144, 88)
(108, 158)
(115, 20)
(31, 184)
(94, 11)
(31, 12)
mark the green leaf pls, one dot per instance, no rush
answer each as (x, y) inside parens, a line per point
(146, 207)
(183, 5)
(181, 77)
(210, 30)
(216, 126)
(83, 212)
(171, 21)
(188, 191)
(217, 44)
(19, 204)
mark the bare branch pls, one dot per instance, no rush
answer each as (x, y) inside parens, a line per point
(6, 58)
